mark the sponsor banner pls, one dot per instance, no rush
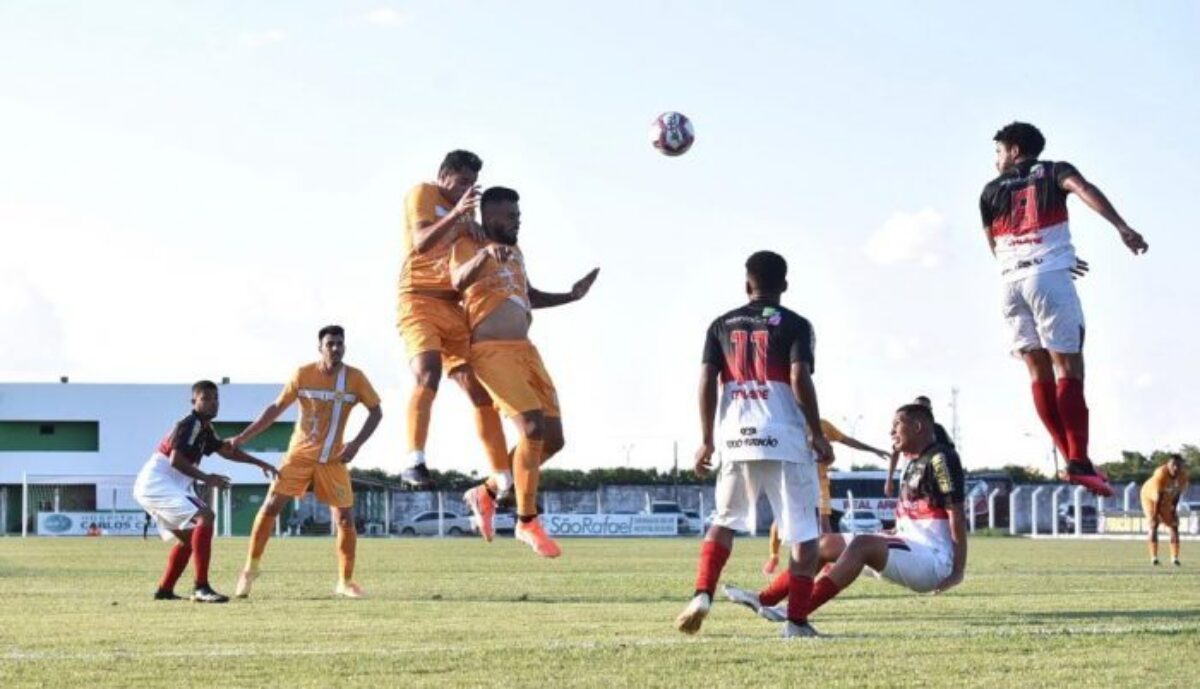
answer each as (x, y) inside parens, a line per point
(611, 525)
(87, 524)
(882, 507)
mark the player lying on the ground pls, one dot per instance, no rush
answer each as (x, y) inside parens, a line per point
(316, 456)
(489, 272)
(1160, 503)
(768, 437)
(164, 489)
(1025, 221)
(431, 320)
(928, 552)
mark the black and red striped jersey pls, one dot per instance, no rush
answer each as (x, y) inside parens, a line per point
(754, 347)
(194, 437)
(1025, 211)
(931, 483)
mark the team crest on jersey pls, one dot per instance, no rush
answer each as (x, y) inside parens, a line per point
(773, 316)
(1037, 171)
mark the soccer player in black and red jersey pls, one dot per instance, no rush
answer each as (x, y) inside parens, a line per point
(1024, 213)
(763, 356)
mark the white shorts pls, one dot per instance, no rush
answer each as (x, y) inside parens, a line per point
(1043, 312)
(791, 488)
(174, 507)
(913, 565)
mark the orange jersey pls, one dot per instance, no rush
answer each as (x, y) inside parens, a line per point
(325, 403)
(1162, 487)
(494, 282)
(426, 270)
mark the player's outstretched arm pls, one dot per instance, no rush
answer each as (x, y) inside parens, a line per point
(1097, 201)
(181, 464)
(857, 444)
(542, 300)
(464, 270)
(264, 421)
(350, 449)
(958, 536)
(236, 454)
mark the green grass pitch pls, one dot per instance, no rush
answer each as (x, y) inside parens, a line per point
(459, 612)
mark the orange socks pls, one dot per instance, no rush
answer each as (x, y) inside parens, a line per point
(347, 542)
(527, 469)
(420, 410)
(264, 524)
(491, 434)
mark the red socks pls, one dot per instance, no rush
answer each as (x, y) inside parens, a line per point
(1074, 412)
(1045, 399)
(202, 548)
(713, 557)
(822, 591)
(176, 562)
(800, 590)
(777, 590)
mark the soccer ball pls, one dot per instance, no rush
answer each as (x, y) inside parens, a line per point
(671, 133)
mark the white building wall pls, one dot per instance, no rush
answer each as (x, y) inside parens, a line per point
(133, 419)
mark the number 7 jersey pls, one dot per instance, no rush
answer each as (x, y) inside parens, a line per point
(758, 418)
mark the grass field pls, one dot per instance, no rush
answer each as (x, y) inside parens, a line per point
(77, 613)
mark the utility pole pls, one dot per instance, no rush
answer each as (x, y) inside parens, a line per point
(954, 430)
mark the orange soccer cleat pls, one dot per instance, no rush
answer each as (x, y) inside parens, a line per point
(483, 506)
(532, 534)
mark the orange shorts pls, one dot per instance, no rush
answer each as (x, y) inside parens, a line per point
(1167, 516)
(331, 481)
(429, 324)
(513, 373)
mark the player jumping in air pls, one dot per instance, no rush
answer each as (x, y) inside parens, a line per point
(1024, 214)
(928, 553)
(767, 435)
(1160, 503)
(430, 319)
(316, 456)
(164, 489)
(489, 271)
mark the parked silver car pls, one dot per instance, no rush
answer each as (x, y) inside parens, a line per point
(426, 524)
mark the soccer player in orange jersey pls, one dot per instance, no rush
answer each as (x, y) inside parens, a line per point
(316, 456)
(489, 271)
(430, 319)
(1160, 500)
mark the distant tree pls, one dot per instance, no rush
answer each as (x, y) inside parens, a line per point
(867, 467)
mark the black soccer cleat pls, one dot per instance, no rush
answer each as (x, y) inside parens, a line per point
(205, 594)
(417, 477)
(163, 594)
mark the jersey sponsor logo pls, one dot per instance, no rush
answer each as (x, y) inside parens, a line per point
(750, 394)
(749, 430)
(768, 441)
(195, 433)
(942, 473)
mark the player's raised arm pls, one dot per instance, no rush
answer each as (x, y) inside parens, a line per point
(857, 444)
(542, 300)
(468, 257)
(429, 233)
(1074, 183)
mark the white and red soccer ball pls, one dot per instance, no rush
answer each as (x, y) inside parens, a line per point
(671, 133)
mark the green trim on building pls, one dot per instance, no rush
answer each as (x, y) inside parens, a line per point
(49, 436)
(274, 439)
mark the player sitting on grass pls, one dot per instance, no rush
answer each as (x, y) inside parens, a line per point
(928, 552)
(164, 489)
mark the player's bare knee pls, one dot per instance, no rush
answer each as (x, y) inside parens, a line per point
(1039, 363)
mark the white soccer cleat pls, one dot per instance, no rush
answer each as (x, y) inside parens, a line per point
(349, 589)
(773, 613)
(743, 597)
(245, 579)
(791, 630)
(693, 615)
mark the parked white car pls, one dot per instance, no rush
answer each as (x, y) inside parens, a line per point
(860, 521)
(426, 524)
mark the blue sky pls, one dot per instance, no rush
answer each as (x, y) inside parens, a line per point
(191, 189)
